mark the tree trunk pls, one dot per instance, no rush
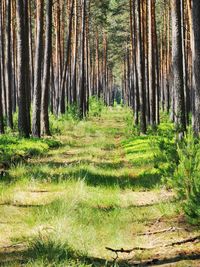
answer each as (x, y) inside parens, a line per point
(151, 56)
(36, 126)
(177, 65)
(23, 121)
(1, 108)
(8, 65)
(196, 65)
(83, 76)
(47, 67)
(140, 70)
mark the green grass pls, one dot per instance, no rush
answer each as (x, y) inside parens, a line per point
(98, 189)
(13, 149)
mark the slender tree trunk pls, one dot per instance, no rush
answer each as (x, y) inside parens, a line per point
(196, 65)
(152, 87)
(1, 108)
(83, 76)
(67, 60)
(36, 126)
(177, 65)
(27, 60)
(140, 71)
(8, 65)
(2, 61)
(1, 74)
(74, 78)
(23, 121)
(47, 67)
(135, 60)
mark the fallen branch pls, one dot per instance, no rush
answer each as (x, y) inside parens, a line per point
(171, 229)
(189, 240)
(181, 242)
(128, 251)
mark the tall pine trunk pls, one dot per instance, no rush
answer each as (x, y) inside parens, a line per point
(83, 73)
(8, 65)
(151, 57)
(22, 45)
(177, 67)
(47, 67)
(36, 126)
(196, 65)
(141, 82)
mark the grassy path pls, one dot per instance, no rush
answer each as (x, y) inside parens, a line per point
(98, 190)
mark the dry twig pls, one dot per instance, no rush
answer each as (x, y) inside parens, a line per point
(171, 229)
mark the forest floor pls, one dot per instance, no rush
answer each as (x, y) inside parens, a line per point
(99, 189)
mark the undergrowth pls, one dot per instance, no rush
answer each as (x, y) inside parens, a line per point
(13, 148)
(178, 163)
(186, 179)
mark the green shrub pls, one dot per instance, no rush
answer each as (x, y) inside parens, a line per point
(186, 180)
(73, 112)
(59, 124)
(166, 157)
(95, 106)
(13, 148)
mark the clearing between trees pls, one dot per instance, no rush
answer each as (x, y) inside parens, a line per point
(98, 189)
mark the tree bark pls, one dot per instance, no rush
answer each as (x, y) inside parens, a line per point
(8, 65)
(151, 63)
(47, 67)
(140, 70)
(196, 65)
(23, 122)
(36, 124)
(177, 66)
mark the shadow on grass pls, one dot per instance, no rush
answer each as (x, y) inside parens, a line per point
(54, 253)
(102, 165)
(93, 173)
(146, 180)
(169, 260)
(49, 253)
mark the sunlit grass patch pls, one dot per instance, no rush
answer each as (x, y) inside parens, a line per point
(143, 152)
(98, 189)
(14, 149)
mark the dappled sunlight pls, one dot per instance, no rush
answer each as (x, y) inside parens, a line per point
(98, 189)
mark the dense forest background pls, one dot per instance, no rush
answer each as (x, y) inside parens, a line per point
(58, 54)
